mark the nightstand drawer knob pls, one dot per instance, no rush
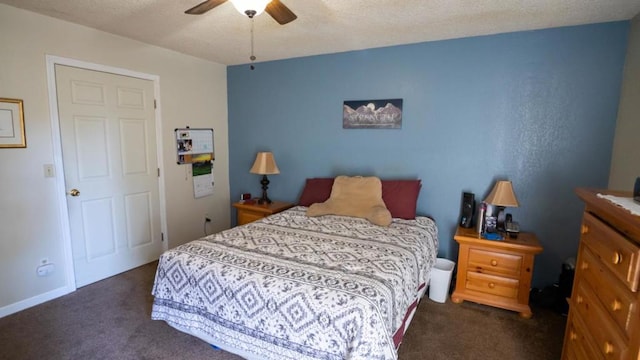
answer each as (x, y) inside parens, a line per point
(579, 299)
(494, 262)
(617, 258)
(492, 285)
(608, 348)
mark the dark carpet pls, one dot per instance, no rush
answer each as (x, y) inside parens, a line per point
(110, 319)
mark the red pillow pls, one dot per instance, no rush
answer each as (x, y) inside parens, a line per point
(401, 197)
(316, 190)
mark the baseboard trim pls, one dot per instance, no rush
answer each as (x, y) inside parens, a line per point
(35, 300)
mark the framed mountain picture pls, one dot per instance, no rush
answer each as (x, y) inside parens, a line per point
(372, 114)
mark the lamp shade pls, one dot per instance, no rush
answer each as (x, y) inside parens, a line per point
(502, 195)
(256, 5)
(265, 164)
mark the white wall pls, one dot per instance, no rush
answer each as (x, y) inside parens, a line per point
(192, 92)
(625, 167)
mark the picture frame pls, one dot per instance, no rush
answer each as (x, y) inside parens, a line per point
(372, 114)
(12, 133)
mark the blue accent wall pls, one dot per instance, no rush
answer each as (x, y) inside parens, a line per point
(537, 108)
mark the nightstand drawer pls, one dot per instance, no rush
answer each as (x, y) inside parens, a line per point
(606, 335)
(619, 303)
(245, 217)
(494, 285)
(254, 211)
(494, 263)
(619, 254)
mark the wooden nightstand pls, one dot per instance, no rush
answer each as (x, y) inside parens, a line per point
(495, 272)
(252, 212)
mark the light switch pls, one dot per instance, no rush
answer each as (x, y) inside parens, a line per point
(48, 171)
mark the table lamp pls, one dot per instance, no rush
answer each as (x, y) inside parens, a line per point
(264, 165)
(501, 196)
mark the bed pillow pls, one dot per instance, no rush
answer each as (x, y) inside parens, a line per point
(401, 197)
(355, 196)
(316, 190)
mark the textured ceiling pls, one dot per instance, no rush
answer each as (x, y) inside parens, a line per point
(323, 26)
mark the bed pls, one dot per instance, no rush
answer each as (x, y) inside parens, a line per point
(292, 286)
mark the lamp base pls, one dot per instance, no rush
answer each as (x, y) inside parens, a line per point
(501, 218)
(264, 201)
(265, 185)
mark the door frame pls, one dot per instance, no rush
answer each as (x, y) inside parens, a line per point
(61, 189)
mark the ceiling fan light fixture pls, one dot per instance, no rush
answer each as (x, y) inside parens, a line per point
(247, 7)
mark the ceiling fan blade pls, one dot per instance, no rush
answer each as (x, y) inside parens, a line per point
(280, 13)
(205, 6)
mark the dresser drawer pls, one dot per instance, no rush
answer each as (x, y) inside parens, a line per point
(578, 344)
(618, 301)
(494, 285)
(494, 263)
(605, 333)
(617, 253)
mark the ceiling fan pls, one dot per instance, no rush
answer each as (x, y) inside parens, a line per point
(278, 11)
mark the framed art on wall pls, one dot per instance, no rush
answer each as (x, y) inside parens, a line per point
(12, 124)
(372, 114)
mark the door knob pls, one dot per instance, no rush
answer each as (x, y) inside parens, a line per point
(74, 192)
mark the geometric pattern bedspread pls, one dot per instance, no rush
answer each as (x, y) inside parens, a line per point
(296, 287)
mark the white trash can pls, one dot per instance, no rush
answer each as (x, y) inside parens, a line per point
(440, 279)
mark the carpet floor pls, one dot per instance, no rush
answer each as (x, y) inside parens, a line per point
(111, 319)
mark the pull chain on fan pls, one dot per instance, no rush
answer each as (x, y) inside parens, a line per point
(252, 57)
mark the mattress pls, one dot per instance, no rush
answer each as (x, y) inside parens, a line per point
(296, 287)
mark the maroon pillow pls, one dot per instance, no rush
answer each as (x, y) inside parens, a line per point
(316, 190)
(401, 197)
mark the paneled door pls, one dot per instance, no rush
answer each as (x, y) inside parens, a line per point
(107, 128)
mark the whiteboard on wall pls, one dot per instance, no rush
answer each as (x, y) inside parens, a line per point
(195, 147)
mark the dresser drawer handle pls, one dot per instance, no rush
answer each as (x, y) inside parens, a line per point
(584, 265)
(608, 348)
(616, 305)
(617, 258)
(579, 299)
(492, 285)
(573, 335)
(584, 229)
(494, 262)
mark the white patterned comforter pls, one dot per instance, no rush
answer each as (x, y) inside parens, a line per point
(296, 287)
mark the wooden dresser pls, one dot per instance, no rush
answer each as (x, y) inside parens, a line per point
(604, 319)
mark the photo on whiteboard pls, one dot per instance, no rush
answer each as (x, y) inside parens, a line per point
(185, 146)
